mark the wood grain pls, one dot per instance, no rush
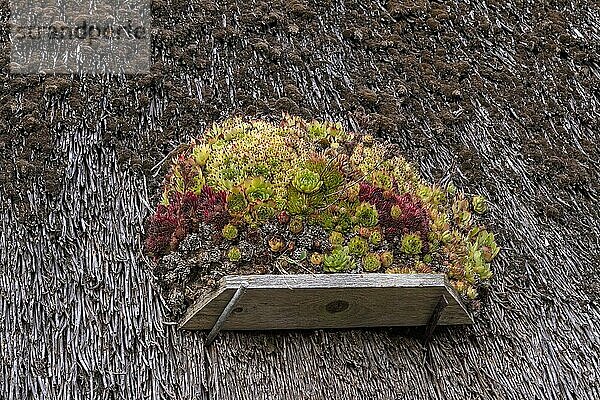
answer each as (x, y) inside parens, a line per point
(328, 301)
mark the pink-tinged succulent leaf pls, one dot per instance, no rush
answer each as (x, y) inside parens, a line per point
(412, 218)
(170, 224)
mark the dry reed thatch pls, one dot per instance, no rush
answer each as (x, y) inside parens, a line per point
(501, 96)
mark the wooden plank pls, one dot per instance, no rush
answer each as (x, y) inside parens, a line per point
(328, 301)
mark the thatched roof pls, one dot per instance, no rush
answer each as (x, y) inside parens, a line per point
(501, 97)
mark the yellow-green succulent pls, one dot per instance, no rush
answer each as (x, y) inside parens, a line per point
(234, 254)
(479, 204)
(336, 239)
(307, 181)
(366, 215)
(338, 260)
(371, 262)
(358, 246)
(411, 244)
(229, 232)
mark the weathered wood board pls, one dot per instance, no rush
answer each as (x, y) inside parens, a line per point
(328, 301)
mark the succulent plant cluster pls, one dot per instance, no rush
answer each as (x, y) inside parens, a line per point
(310, 196)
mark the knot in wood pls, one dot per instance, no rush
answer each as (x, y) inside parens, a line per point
(336, 306)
